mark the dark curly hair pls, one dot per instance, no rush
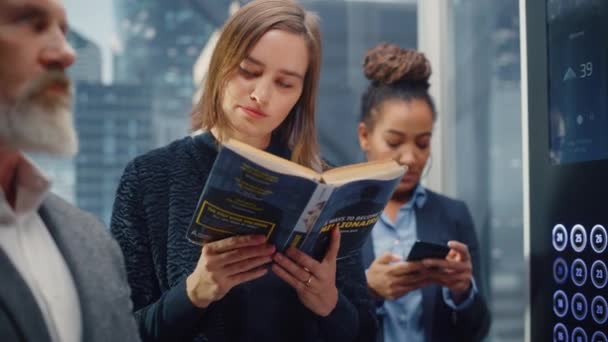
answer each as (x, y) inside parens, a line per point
(394, 73)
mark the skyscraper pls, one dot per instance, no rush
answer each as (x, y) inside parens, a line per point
(160, 41)
(114, 126)
(87, 67)
(349, 28)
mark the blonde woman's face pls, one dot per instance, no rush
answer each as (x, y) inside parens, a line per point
(402, 131)
(266, 86)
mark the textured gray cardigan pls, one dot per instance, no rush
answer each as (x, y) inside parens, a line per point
(155, 201)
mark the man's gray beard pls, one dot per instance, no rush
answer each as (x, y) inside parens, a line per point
(39, 124)
(36, 128)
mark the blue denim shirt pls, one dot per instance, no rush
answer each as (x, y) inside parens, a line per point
(402, 318)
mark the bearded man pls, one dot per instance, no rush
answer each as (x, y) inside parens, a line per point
(63, 277)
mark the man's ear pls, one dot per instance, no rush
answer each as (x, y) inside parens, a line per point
(363, 134)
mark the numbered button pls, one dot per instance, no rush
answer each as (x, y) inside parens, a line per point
(578, 238)
(578, 272)
(598, 238)
(560, 303)
(579, 306)
(579, 335)
(560, 270)
(599, 336)
(598, 274)
(560, 333)
(599, 309)
(560, 237)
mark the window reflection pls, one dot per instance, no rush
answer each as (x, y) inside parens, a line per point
(135, 73)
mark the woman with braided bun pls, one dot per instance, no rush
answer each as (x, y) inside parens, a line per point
(431, 299)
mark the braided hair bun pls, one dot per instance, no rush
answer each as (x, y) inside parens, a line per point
(389, 64)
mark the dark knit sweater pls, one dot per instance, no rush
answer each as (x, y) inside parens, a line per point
(154, 204)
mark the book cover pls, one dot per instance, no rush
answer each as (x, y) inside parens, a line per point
(242, 197)
(354, 208)
(250, 191)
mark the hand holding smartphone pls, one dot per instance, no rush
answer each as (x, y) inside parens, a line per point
(427, 250)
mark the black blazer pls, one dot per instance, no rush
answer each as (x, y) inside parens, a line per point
(97, 267)
(440, 220)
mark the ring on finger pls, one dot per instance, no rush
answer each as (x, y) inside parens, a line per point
(307, 282)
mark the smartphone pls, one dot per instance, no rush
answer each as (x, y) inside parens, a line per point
(427, 250)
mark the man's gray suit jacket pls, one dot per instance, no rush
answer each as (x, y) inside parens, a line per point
(97, 266)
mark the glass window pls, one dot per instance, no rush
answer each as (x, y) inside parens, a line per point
(136, 64)
(134, 80)
(349, 28)
(488, 122)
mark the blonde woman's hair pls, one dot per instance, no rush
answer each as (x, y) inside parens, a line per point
(240, 33)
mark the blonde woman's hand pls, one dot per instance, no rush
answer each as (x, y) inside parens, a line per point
(314, 282)
(226, 263)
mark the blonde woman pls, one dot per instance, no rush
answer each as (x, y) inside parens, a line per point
(261, 89)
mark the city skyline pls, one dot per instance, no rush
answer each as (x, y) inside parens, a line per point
(98, 28)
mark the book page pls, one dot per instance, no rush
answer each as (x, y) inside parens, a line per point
(379, 170)
(271, 161)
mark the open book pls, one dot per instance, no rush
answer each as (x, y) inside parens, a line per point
(250, 191)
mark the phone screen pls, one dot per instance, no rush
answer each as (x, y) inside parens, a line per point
(427, 250)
